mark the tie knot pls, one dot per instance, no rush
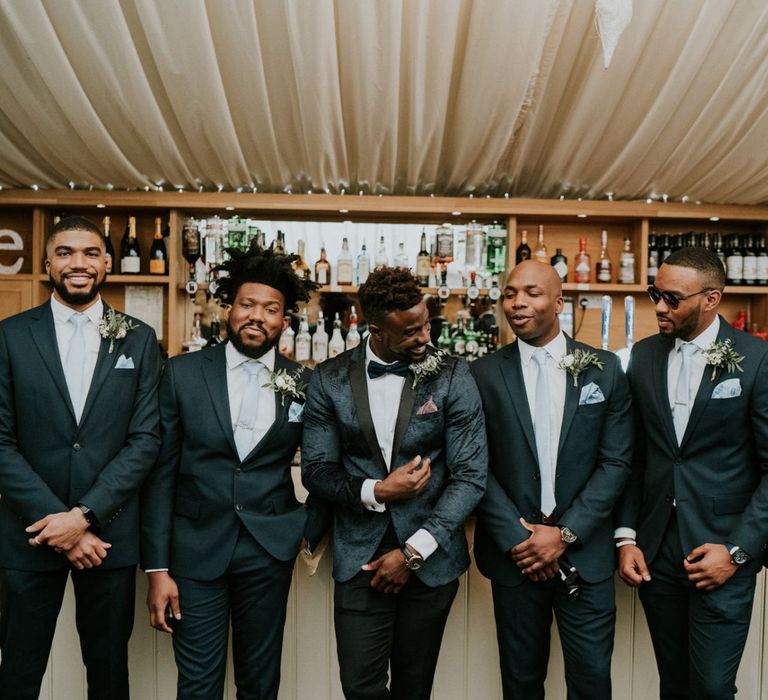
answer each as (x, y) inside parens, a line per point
(540, 356)
(77, 320)
(688, 349)
(253, 367)
(377, 369)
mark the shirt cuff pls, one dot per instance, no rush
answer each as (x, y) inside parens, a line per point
(154, 571)
(625, 532)
(368, 499)
(422, 542)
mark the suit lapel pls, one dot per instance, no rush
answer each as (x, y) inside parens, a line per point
(512, 372)
(359, 388)
(104, 363)
(571, 400)
(214, 371)
(407, 399)
(44, 335)
(659, 369)
(281, 409)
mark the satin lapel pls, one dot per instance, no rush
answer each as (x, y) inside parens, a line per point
(359, 387)
(104, 363)
(404, 412)
(281, 409)
(44, 335)
(214, 371)
(659, 369)
(572, 394)
(512, 372)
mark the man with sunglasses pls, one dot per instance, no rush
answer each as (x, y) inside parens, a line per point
(694, 517)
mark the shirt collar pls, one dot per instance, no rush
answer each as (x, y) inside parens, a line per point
(704, 339)
(62, 313)
(557, 348)
(370, 355)
(235, 358)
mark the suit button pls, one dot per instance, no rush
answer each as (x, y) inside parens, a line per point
(535, 476)
(534, 515)
(669, 499)
(239, 507)
(238, 471)
(76, 447)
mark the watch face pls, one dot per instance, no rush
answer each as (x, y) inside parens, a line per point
(739, 557)
(567, 535)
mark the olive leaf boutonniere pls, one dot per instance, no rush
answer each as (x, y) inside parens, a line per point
(576, 362)
(428, 367)
(287, 384)
(722, 355)
(114, 326)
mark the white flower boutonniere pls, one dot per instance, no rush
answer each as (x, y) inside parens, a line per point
(114, 326)
(287, 384)
(578, 361)
(427, 367)
(722, 355)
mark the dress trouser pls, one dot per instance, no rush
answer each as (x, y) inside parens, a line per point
(698, 636)
(30, 602)
(253, 593)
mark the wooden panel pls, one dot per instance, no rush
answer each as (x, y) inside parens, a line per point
(15, 296)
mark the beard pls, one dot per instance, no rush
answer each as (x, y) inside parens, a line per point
(78, 298)
(252, 351)
(685, 328)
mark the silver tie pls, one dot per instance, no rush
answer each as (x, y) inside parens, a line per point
(543, 431)
(246, 419)
(682, 406)
(74, 367)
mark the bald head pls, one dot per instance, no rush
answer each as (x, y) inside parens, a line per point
(533, 298)
(535, 272)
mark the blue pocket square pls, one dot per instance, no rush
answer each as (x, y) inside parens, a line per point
(729, 389)
(124, 362)
(296, 413)
(590, 394)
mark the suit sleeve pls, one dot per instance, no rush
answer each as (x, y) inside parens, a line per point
(20, 485)
(322, 471)
(597, 500)
(124, 474)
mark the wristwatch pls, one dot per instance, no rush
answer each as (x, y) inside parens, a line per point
(413, 561)
(89, 515)
(568, 536)
(738, 556)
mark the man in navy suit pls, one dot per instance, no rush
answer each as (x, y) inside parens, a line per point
(221, 526)
(560, 438)
(78, 434)
(394, 438)
(694, 518)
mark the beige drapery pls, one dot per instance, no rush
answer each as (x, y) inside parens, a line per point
(387, 96)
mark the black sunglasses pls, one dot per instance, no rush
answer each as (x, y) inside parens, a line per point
(671, 300)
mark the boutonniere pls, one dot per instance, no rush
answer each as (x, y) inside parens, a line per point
(287, 384)
(722, 355)
(578, 361)
(427, 367)
(114, 326)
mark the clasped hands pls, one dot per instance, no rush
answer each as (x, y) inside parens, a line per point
(537, 556)
(68, 534)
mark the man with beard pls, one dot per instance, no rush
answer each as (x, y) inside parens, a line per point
(78, 434)
(694, 518)
(394, 437)
(221, 525)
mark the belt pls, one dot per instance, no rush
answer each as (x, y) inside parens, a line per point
(548, 520)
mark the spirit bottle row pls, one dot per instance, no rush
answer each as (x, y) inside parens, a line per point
(313, 348)
(130, 250)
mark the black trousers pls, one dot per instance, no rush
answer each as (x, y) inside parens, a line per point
(586, 626)
(698, 637)
(30, 602)
(253, 594)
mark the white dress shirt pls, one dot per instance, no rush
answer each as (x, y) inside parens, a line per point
(384, 402)
(66, 330)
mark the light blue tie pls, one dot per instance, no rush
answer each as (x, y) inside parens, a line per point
(74, 367)
(543, 431)
(249, 406)
(682, 407)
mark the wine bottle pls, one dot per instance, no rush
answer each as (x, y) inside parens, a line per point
(653, 258)
(322, 271)
(423, 265)
(130, 253)
(749, 274)
(560, 263)
(604, 268)
(344, 264)
(523, 251)
(158, 255)
(734, 263)
(762, 262)
(582, 264)
(540, 251)
(109, 251)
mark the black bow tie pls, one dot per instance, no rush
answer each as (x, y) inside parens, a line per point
(376, 369)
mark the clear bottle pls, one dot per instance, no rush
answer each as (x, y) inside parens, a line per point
(158, 256)
(401, 259)
(523, 251)
(344, 271)
(363, 265)
(627, 263)
(322, 268)
(109, 251)
(382, 259)
(353, 335)
(444, 244)
(320, 340)
(130, 253)
(560, 263)
(336, 345)
(582, 264)
(286, 347)
(604, 267)
(423, 262)
(540, 251)
(303, 340)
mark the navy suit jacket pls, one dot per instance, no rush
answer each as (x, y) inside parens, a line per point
(340, 451)
(49, 463)
(200, 493)
(593, 464)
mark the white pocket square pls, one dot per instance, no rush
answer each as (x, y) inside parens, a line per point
(124, 362)
(590, 394)
(296, 413)
(729, 389)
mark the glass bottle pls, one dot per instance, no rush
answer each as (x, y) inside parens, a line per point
(363, 265)
(158, 256)
(344, 264)
(215, 337)
(353, 335)
(540, 251)
(582, 264)
(303, 340)
(604, 268)
(653, 258)
(401, 259)
(627, 263)
(560, 263)
(336, 345)
(109, 251)
(130, 253)
(382, 259)
(286, 346)
(320, 340)
(300, 266)
(322, 268)
(423, 262)
(523, 251)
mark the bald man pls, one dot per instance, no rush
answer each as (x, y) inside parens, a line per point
(559, 425)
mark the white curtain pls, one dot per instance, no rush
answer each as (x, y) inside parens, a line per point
(386, 96)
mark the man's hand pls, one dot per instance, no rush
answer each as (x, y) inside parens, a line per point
(405, 482)
(391, 572)
(59, 530)
(709, 566)
(632, 567)
(543, 547)
(89, 551)
(546, 573)
(163, 594)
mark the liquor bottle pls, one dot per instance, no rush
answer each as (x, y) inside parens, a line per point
(444, 342)
(190, 249)
(280, 243)
(471, 344)
(353, 335)
(286, 346)
(560, 263)
(303, 340)
(320, 340)
(344, 270)
(719, 249)
(582, 264)
(540, 251)
(336, 346)
(401, 259)
(749, 274)
(741, 321)
(653, 258)
(215, 337)
(459, 338)
(665, 248)
(423, 262)
(604, 268)
(444, 248)
(473, 291)
(496, 249)
(158, 255)
(363, 265)
(261, 239)
(734, 263)
(523, 251)
(762, 262)
(382, 259)
(300, 266)
(130, 254)
(443, 290)
(322, 270)
(627, 263)
(109, 251)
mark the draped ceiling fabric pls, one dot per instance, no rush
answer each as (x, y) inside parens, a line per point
(386, 96)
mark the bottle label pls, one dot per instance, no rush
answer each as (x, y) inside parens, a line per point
(108, 263)
(303, 346)
(603, 273)
(627, 269)
(734, 267)
(322, 275)
(460, 346)
(130, 265)
(561, 268)
(422, 266)
(319, 350)
(344, 272)
(762, 267)
(445, 245)
(750, 268)
(157, 267)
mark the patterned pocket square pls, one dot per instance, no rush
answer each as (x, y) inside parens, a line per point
(590, 394)
(124, 362)
(296, 413)
(729, 389)
(429, 407)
